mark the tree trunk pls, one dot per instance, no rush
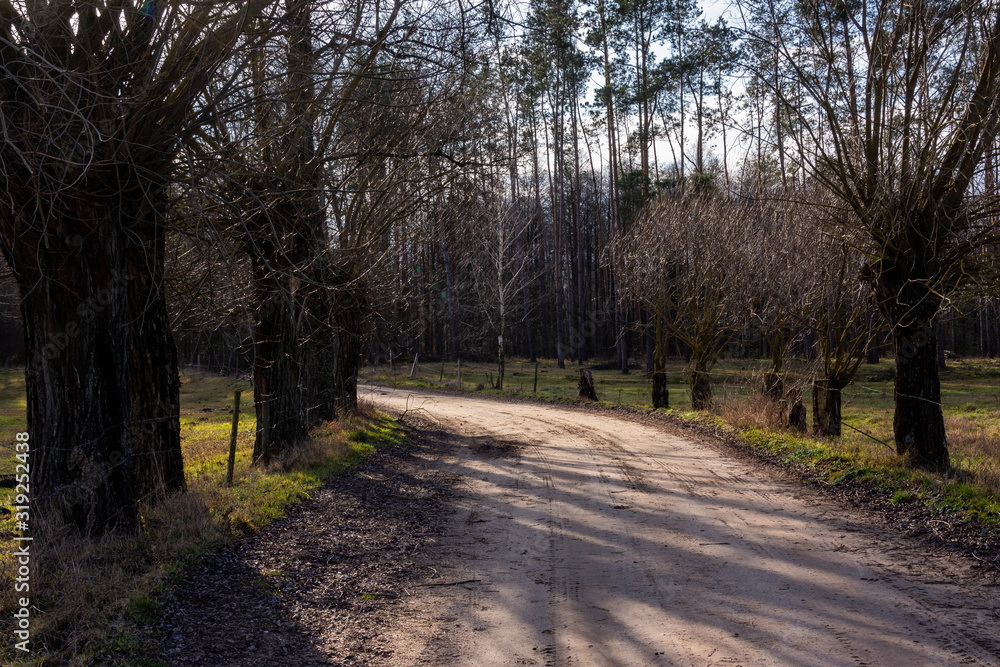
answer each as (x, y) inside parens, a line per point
(319, 354)
(658, 329)
(621, 348)
(826, 407)
(586, 387)
(797, 416)
(774, 386)
(280, 423)
(525, 303)
(701, 389)
(154, 428)
(583, 333)
(918, 424)
(871, 354)
(74, 307)
(350, 319)
(501, 366)
(650, 343)
(661, 393)
(319, 363)
(345, 382)
(101, 365)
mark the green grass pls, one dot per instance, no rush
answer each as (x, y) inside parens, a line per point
(94, 596)
(554, 384)
(970, 391)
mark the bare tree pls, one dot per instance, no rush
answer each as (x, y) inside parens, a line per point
(96, 99)
(908, 95)
(837, 306)
(778, 244)
(329, 152)
(684, 260)
(497, 266)
(404, 127)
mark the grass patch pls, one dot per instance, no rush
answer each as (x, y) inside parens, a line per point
(91, 597)
(969, 489)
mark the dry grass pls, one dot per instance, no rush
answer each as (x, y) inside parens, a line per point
(971, 424)
(88, 595)
(749, 411)
(975, 449)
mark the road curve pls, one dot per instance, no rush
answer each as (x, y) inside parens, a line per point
(583, 539)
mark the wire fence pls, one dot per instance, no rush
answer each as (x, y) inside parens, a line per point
(96, 474)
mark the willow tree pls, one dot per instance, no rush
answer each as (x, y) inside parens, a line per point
(283, 228)
(96, 100)
(397, 129)
(777, 247)
(838, 314)
(902, 102)
(277, 150)
(687, 260)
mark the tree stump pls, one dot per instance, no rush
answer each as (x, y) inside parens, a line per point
(797, 417)
(587, 384)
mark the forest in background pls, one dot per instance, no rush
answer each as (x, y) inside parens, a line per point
(293, 188)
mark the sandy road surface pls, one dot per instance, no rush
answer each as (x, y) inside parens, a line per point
(600, 541)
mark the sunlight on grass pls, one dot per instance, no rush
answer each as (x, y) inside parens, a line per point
(91, 594)
(970, 402)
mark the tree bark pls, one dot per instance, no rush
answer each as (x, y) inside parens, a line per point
(526, 305)
(74, 307)
(701, 389)
(154, 429)
(826, 407)
(319, 363)
(351, 313)
(650, 341)
(797, 416)
(918, 423)
(661, 393)
(319, 354)
(101, 364)
(280, 422)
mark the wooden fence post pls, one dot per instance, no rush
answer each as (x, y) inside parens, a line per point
(232, 438)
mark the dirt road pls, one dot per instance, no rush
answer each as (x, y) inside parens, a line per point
(582, 539)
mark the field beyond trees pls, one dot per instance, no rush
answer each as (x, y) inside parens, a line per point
(970, 401)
